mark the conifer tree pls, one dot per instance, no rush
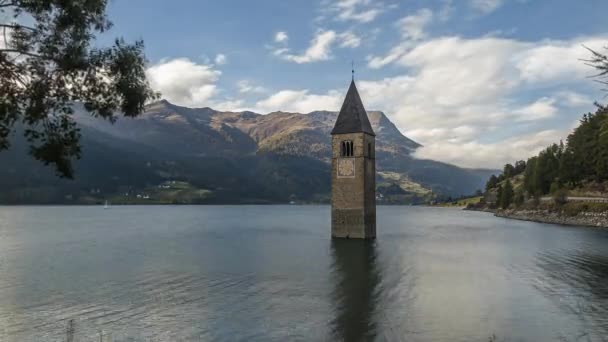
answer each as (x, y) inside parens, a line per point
(499, 196)
(508, 171)
(491, 183)
(506, 195)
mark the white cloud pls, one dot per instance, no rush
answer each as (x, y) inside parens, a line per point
(473, 79)
(457, 91)
(320, 48)
(490, 155)
(376, 62)
(543, 108)
(556, 60)
(475, 83)
(184, 82)
(573, 99)
(299, 101)
(220, 59)
(486, 6)
(246, 86)
(363, 11)
(281, 37)
(280, 51)
(229, 105)
(459, 72)
(452, 71)
(413, 26)
(455, 135)
(349, 39)
(364, 16)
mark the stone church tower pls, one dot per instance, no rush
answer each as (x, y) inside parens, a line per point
(353, 171)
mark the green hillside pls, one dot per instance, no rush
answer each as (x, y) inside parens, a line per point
(576, 170)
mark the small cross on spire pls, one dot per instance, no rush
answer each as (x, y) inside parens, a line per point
(353, 69)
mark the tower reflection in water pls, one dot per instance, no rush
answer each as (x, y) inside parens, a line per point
(356, 278)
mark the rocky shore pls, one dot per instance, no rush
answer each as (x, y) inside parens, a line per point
(589, 219)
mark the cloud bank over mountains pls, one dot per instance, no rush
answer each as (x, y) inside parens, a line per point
(472, 101)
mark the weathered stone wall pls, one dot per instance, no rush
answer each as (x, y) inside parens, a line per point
(353, 198)
(370, 186)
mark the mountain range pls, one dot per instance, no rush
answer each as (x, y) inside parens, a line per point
(175, 154)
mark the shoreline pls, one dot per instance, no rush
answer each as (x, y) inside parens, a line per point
(582, 219)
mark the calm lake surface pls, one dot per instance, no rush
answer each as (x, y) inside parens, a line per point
(271, 273)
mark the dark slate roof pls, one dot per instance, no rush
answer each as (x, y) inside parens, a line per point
(352, 117)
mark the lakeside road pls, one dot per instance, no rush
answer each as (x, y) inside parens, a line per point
(583, 219)
(577, 214)
(579, 199)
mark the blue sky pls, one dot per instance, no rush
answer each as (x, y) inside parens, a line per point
(477, 82)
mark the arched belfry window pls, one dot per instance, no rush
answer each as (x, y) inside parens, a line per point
(346, 149)
(369, 150)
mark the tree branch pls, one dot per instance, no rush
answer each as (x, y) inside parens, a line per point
(20, 52)
(8, 4)
(17, 26)
(10, 67)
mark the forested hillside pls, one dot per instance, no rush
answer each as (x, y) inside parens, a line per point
(577, 167)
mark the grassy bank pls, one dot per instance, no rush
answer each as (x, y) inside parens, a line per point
(463, 202)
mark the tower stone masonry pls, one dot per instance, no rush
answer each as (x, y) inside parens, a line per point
(353, 169)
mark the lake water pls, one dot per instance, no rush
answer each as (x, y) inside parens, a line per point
(271, 273)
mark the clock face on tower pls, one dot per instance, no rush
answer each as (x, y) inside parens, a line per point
(346, 167)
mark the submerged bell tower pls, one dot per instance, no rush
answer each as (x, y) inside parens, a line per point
(353, 171)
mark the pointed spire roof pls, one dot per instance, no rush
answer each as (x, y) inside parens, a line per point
(352, 117)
